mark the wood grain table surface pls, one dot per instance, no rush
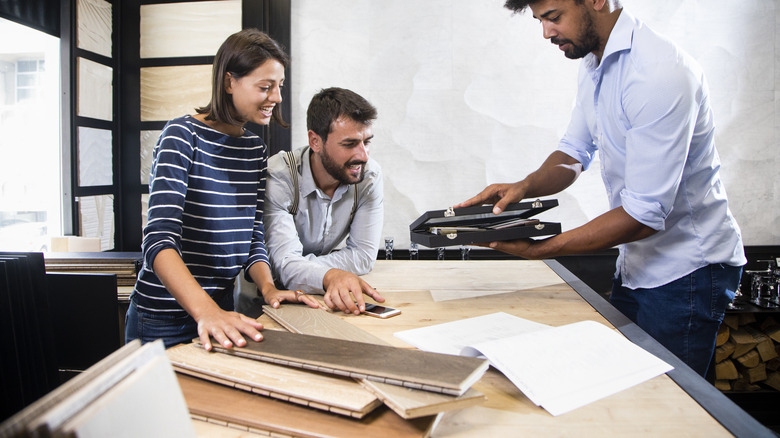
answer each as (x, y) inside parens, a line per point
(434, 292)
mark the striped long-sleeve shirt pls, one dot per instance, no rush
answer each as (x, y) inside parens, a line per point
(206, 194)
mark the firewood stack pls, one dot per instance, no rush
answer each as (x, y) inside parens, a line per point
(747, 353)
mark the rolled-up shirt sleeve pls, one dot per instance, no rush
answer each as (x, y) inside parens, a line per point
(578, 142)
(663, 109)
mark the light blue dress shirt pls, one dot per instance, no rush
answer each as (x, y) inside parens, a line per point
(302, 248)
(646, 110)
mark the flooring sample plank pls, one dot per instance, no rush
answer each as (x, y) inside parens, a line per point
(415, 369)
(412, 403)
(335, 394)
(108, 398)
(19, 424)
(118, 411)
(318, 322)
(91, 390)
(235, 408)
(406, 402)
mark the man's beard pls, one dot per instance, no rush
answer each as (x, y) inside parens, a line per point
(588, 37)
(341, 173)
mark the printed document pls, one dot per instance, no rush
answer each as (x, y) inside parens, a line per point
(558, 368)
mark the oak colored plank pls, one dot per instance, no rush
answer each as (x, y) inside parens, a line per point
(339, 395)
(413, 403)
(303, 319)
(233, 407)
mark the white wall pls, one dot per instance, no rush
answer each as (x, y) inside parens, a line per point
(469, 94)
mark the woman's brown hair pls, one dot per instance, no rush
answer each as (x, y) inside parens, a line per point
(239, 55)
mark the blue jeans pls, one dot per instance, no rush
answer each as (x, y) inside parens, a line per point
(683, 315)
(172, 329)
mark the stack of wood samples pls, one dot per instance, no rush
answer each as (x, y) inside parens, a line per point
(245, 392)
(334, 394)
(747, 353)
(406, 402)
(131, 393)
(123, 264)
(28, 366)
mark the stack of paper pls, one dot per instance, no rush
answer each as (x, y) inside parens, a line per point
(558, 368)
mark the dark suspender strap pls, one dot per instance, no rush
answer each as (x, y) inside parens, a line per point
(292, 164)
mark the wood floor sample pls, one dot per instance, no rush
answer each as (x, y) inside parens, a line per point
(108, 398)
(406, 402)
(415, 369)
(21, 423)
(335, 394)
(117, 412)
(318, 322)
(414, 403)
(242, 409)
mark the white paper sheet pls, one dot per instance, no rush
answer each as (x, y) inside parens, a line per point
(558, 368)
(453, 337)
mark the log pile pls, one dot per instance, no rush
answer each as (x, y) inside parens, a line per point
(747, 353)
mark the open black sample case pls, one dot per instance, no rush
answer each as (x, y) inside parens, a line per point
(470, 225)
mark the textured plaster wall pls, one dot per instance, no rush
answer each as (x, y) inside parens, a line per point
(469, 94)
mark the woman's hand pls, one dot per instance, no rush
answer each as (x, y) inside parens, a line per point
(226, 328)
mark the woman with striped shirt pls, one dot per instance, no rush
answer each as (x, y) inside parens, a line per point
(205, 218)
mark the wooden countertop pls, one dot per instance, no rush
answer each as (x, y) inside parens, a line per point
(433, 292)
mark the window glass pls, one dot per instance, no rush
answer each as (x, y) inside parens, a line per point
(30, 153)
(95, 157)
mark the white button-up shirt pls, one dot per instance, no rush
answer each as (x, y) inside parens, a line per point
(645, 108)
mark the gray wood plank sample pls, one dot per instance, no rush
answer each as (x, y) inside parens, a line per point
(415, 369)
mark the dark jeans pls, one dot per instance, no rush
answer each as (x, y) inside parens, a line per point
(683, 315)
(172, 329)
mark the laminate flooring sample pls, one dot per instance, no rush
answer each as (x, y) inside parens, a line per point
(340, 395)
(318, 322)
(243, 410)
(406, 402)
(107, 399)
(414, 369)
(147, 403)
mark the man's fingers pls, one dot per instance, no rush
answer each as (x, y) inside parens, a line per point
(360, 304)
(373, 293)
(347, 301)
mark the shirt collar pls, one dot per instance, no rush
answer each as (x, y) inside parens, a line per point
(620, 39)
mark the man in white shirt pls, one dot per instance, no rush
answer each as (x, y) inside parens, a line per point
(322, 244)
(643, 106)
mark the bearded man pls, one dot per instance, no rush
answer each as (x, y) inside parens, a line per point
(324, 205)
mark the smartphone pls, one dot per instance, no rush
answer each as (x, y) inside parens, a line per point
(381, 311)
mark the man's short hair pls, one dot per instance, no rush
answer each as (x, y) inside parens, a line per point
(331, 103)
(518, 6)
